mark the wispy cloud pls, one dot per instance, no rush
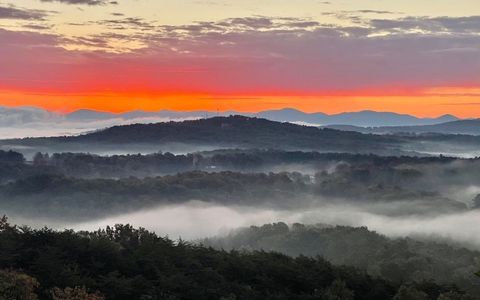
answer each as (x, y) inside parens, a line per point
(253, 55)
(83, 2)
(12, 12)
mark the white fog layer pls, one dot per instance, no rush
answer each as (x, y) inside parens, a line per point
(198, 220)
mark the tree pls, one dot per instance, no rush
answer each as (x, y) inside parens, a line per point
(476, 202)
(40, 159)
(77, 293)
(338, 291)
(17, 286)
(410, 293)
(454, 296)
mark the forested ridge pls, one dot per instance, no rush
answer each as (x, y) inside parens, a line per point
(241, 131)
(246, 133)
(396, 259)
(122, 262)
(307, 262)
(80, 186)
(87, 165)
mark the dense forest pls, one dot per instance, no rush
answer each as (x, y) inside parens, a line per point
(246, 133)
(73, 198)
(122, 262)
(217, 132)
(80, 186)
(88, 165)
(398, 260)
(269, 262)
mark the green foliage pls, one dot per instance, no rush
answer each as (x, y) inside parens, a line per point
(76, 293)
(398, 260)
(122, 262)
(72, 198)
(338, 291)
(410, 293)
(17, 286)
(455, 296)
(11, 157)
(240, 131)
(126, 263)
(81, 186)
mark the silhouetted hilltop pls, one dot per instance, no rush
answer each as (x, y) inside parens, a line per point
(236, 130)
(380, 256)
(232, 131)
(466, 127)
(240, 132)
(359, 118)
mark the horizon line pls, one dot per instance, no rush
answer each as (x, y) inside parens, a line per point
(225, 111)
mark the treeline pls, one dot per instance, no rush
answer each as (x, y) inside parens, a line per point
(122, 262)
(397, 260)
(70, 198)
(63, 197)
(11, 157)
(222, 132)
(253, 160)
(75, 198)
(75, 185)
(116, 166)
(245, 132)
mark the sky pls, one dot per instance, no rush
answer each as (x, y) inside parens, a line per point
(420, 57)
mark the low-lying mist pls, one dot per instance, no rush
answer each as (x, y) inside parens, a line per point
(196, 220)
(59, 126)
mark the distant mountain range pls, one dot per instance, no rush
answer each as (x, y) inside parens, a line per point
(86, 115)
(361, 118)
(250, 133)
(23, 116)
(468, 127)
(34, 122)
(211, 133)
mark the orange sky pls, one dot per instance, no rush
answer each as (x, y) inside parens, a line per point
(415, 57)
(429, 104)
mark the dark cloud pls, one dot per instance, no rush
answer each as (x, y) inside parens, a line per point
(372, 11)
(37, 26)
(450, 25)
(25, 40)
(84, 2)
(137, 23)
(461, 25)
(11, 12)
(248, 55)
(96, 41)
(258, 22)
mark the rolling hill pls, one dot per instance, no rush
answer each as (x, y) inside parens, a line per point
(360, 118)
(465, 127)
(217, 132)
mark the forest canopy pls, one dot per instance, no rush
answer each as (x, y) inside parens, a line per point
(122, 262)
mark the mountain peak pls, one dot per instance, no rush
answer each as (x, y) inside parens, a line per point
(447, 117)
(88, 115)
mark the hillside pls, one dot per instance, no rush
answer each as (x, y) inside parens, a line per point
(233, 131)
(398, 260)
(245, 133)
(122, 262)
(360, 118)
(466, 127)
(21, 122)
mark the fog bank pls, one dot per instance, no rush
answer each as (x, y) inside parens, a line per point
(198, 220)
